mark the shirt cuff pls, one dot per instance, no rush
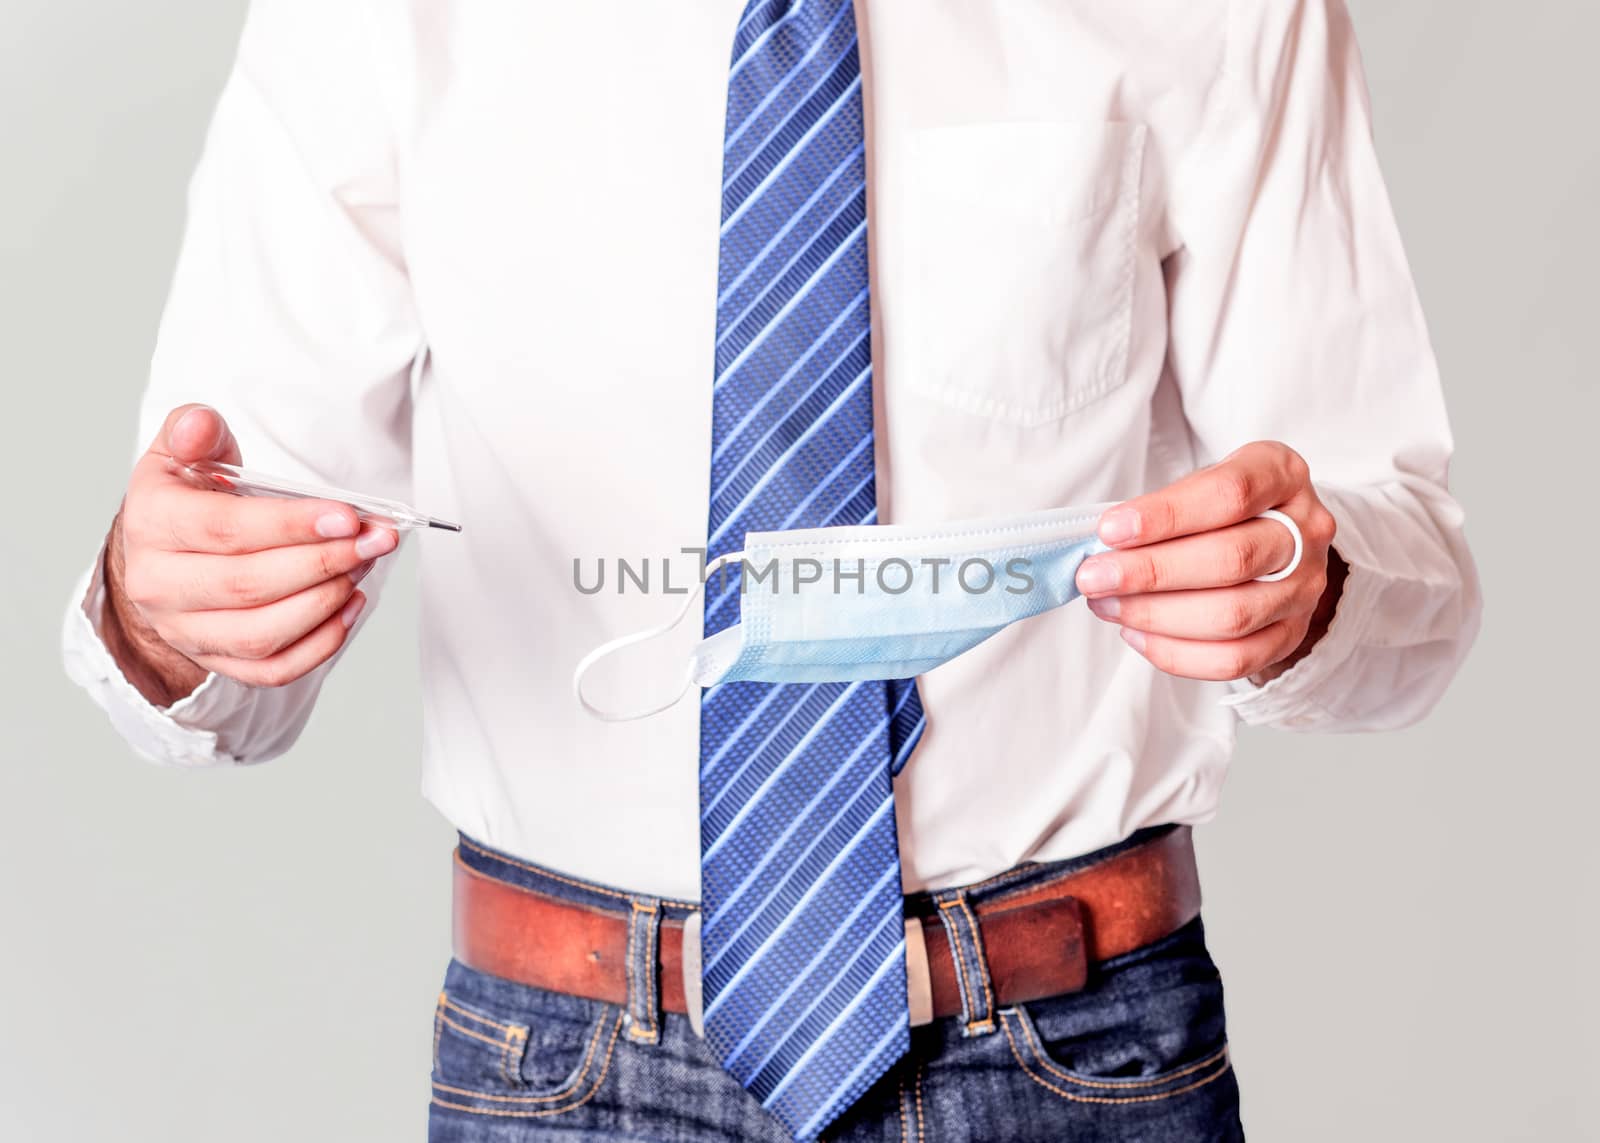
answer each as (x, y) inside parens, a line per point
(1292, 701)
(183, 734)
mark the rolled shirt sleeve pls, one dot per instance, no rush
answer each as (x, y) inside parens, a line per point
(1294, 317)
(291, 314)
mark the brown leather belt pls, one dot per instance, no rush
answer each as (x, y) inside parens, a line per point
(1039, 938)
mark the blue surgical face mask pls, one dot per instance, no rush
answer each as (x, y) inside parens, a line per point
(876, 601)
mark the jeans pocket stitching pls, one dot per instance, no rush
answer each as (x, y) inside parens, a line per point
(499, 1042)
(512, 1038)
(511, 1064)
(456, 1006)
(522, 1110)
(1013, 1019)
(1036, 1047)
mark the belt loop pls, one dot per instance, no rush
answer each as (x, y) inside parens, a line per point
(972, 965)
(644, 985)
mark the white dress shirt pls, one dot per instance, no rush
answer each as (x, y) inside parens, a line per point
(464, 253)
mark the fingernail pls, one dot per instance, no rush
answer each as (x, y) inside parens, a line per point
(1133, 638)
(352, 610)
(337, 525)
(1098, 575)
(1119, 525)
(192, 413)
(361, 572)
(378, 542)
(1109, 607)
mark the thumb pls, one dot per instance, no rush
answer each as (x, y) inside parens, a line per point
(196, 432)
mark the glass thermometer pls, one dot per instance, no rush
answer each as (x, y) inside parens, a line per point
(216, 476)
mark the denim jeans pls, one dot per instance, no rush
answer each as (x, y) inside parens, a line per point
(1139, 1054)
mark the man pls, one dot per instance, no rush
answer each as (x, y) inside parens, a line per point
(472, 255)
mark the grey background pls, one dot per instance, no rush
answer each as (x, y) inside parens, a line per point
(1405, 922)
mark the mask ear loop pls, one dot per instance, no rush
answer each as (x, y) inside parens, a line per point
(615, 645)
(1299, 546)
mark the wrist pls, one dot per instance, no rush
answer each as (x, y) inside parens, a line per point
(1321, 619)
(154, 668)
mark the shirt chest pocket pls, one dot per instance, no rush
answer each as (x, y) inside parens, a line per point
(1015, 256)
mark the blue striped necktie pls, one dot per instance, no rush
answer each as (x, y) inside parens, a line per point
(803, 941)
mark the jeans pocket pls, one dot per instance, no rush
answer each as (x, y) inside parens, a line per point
(1149, 1027)
(504, 1049)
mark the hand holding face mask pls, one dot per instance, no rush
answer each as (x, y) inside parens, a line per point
(1184, 576)
(871, 602)
(895, 601)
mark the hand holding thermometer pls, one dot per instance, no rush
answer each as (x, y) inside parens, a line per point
(217, 476)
